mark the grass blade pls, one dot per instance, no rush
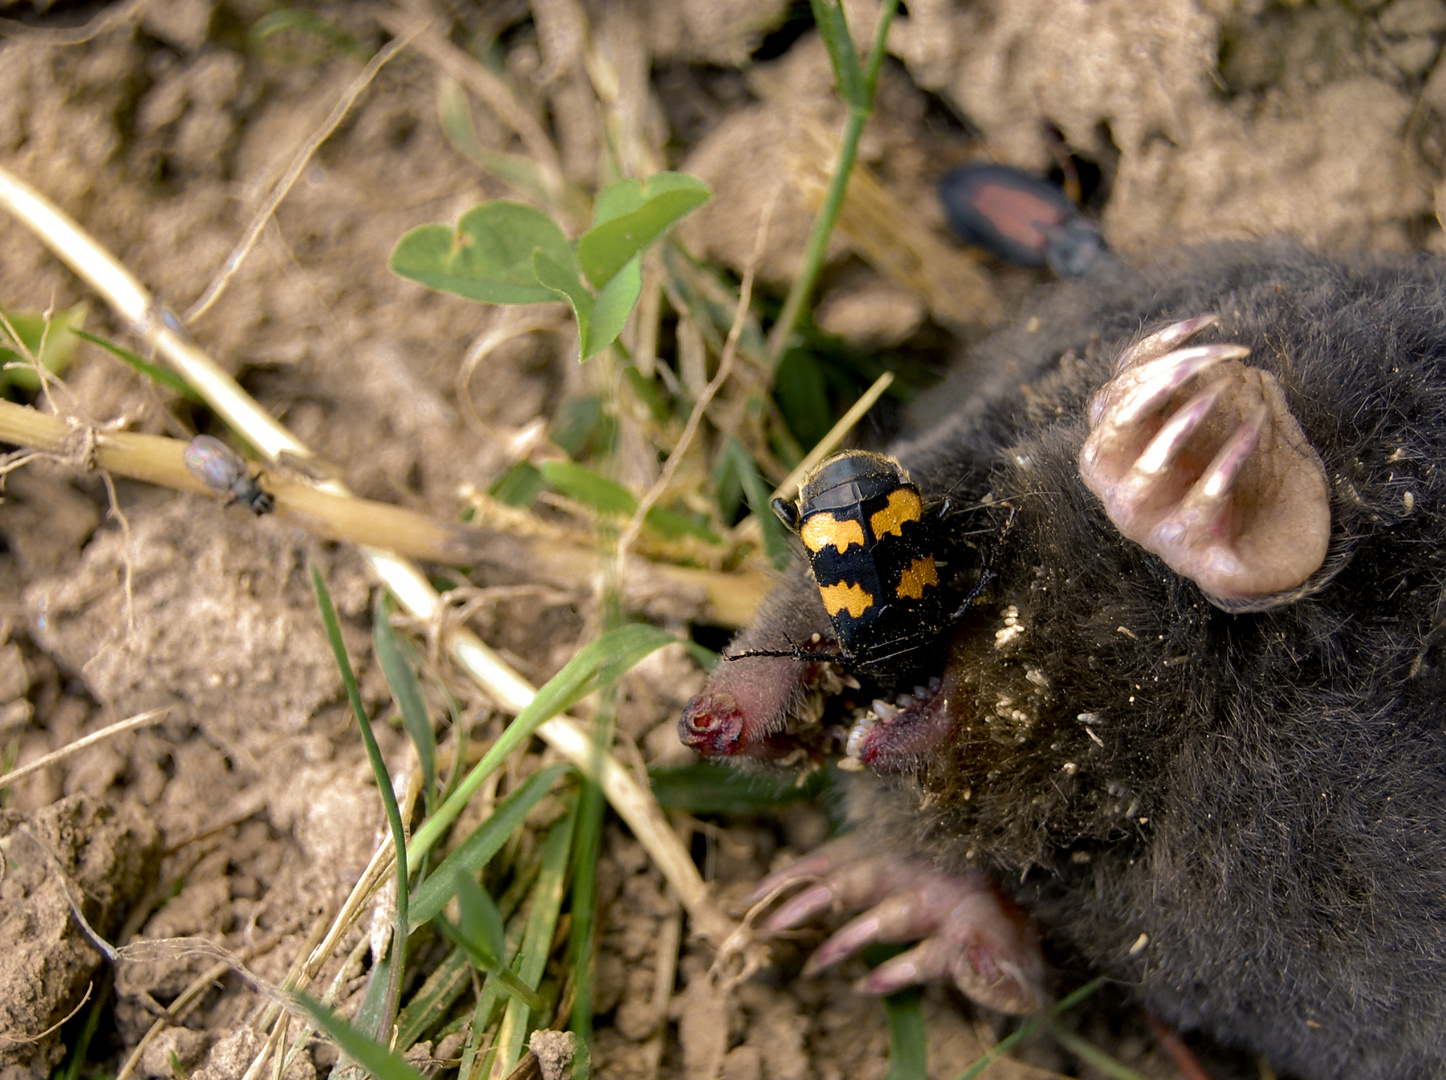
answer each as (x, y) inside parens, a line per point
(491, 963)
(486, 840)
(1026, 1029)
(908, 1041)
(447, 982)
(1091, 1054)
(407, 692)
(722, 789)
(371, 1055)
(159, 375)
(617, 650)
(384, 786)
(537, 941)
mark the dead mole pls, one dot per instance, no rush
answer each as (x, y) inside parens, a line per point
(1183, 717)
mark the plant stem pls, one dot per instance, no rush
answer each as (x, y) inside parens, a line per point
(384, 786)
(860, 109)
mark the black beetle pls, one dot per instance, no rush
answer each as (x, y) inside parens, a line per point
(875, 555)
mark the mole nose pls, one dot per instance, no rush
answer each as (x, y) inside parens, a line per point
(712, 724)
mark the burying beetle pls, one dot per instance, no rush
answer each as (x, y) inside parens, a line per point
(883, 565)
(1020, 219)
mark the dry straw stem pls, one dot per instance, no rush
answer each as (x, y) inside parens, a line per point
(104, 273)
(154, 459)
(140, 720)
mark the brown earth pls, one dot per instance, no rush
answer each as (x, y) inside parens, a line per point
(246, 814)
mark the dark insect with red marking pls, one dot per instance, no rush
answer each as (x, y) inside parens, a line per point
(876, 556)
(1020, 219)
(223, 471)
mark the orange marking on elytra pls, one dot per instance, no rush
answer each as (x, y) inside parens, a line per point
(823, 529)
(921, 572)
(841, 597)
(904, 506)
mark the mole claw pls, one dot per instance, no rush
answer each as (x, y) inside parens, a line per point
(1162, 341)
(965, 930)
(1150, 386)
(865, 930)
(923, 963)
(1219, 480)
(813, 901)
(1166, 446)
(807, 869)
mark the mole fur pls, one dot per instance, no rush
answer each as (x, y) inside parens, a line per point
(1241, 814)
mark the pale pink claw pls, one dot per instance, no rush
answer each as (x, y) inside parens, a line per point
(966, 931)
(1199, 459)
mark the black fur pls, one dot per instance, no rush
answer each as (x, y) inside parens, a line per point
(1268, 805)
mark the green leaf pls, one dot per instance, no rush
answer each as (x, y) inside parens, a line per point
(647, 392)
(488, 257)
(481, 921)
(828, 15)
(580, 483)
(611, 309)
(908, 1038)
(618, 199)
(401, 677)
(432, 1003)
(801, 389)
(759, 497)
(671, 525)
(396, 958)
(583, 425)
(1029, 1026)
(483, 842)
(518, 486)
(607, 247)
(722, 789)
(541, 924)
(51, 341)
(157, 374)
(373, 1016)
(1088, 1052)
(482, 937)
(561, 278)
(491, 965)
(372, 1056)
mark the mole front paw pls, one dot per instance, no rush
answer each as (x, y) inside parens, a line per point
(1198, 459)
(964, 929)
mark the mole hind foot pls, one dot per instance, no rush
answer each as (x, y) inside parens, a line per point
(1198, 459)
(964, 929)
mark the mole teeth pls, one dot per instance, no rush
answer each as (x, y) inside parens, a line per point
(884, 711)
(921, 692)
(854, 748)
(849, 681)
(906, 701)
